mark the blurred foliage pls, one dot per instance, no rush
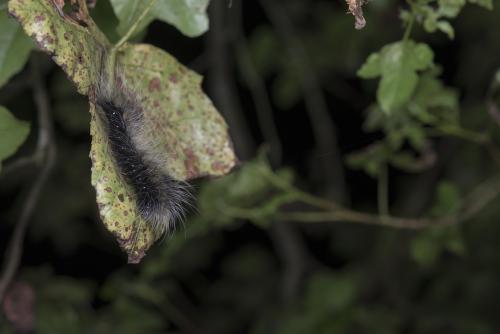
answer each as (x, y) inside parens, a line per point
(15, 46)
(413, 101)
(13, 133)
(188, 16)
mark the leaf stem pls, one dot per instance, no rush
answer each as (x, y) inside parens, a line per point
(459, 132)
(478, 199)
(409, 27)
(299, 194)
(134, 26)
(46, 151)
(111, 60)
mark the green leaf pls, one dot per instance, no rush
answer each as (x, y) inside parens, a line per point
(488, 4)
(397, 64)
(178, 116)
(189, 16)
(371, 68)
(425, 250)
(450, 8)
(370, 159)
(420, 57)
(429, 245)
(13, 133)
(249, 189)
(15, 47)
(447, 199)
(446, 27)
(396, 88)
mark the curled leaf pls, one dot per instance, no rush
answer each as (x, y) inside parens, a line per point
(356, 9)
(178, 116)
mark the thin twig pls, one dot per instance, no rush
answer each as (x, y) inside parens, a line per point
(46, 148)
(316, 106)
(134, 26)
(479, 198)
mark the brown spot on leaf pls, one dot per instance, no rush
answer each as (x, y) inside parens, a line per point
(108, 189)
(173, 78)
(191, 163)
(121, 197)
(219, 166)
(39, 18)
(154, 85)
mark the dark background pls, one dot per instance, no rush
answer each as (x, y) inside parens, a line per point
(239, 277)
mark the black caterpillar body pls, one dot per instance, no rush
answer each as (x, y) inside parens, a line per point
(161, 199)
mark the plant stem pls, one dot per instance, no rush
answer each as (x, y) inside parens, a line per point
(479, 198)
(478, 138)
(134, 26)
(298, 194)
(45, 152)
(409, 27)
(111, 60)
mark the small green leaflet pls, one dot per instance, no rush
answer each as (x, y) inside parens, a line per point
(15, 46)
(434, 15)
(13, 133)
(488, 4)
(397, 65)
(189, 16)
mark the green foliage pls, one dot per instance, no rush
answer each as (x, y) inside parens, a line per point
(247, 192)
(186, 15)
(219, 274)
(434, 14)
(13, 133)
(397, 65)
(432, 107)
(15, 46)
(412, 103)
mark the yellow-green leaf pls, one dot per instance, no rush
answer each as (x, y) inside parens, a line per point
(178, 116)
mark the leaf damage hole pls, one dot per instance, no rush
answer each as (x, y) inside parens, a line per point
(71, 10)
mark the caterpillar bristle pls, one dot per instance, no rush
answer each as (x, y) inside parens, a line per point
(162, 201)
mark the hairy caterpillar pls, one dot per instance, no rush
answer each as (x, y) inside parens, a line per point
(160, 199)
